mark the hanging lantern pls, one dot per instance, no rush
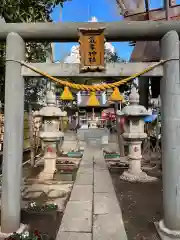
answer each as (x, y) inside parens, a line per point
(67, 95)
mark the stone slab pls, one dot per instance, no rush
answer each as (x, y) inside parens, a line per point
(98, 173)
(100, 166)
(82, 134)
(84, 179)
(87, 159)
(82, 193)
(109, 227)
(86, 169)
(103, 188)
(73, 236)
(100, 162)
(86, 164)
(99, 155)
(105, 203)
(103, 182)
(77, 217)
(73, 159)
(88, 154)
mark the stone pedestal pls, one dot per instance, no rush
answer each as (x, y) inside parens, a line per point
(134, 135)
(135, 173)
(50, 156)
(135, 157)
(93, 124)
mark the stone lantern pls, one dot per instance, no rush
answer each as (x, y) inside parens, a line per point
(134, 134)
(50, 135)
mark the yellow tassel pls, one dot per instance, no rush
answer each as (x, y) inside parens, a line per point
(116, 96)
(93, 101)
(66, 95)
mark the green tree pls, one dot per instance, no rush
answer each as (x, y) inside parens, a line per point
(27, 11)
(112, 57)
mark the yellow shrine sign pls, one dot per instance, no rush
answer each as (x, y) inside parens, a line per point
(91, 49)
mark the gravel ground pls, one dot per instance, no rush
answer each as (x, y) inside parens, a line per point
(141, 205)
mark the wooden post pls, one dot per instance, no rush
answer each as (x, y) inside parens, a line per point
(120, 139)
(31, 137)
(166, 7)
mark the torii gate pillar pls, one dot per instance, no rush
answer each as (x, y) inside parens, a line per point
(13, 135)
(169, 227)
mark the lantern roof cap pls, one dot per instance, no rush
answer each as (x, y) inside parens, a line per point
(134, 109)
(51, 110)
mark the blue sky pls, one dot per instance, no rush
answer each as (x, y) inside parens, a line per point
(82, 11)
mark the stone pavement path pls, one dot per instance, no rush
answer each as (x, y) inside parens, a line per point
(93, 212)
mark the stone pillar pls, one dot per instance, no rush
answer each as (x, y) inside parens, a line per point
(50, 135)
(13, 135)
(134, 134)
(169, 227)
(144, 91)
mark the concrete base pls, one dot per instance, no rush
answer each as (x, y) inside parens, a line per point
(120, 161)
(49, 169)
(81, 148)
(165, 233)
(21, 229)
(61, 159)
(141, 177)
(71, 159)
(123, 160)
(43, 176)
(48, 191)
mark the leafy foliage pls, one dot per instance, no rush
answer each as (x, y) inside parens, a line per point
(27, 11)
(112, 57)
